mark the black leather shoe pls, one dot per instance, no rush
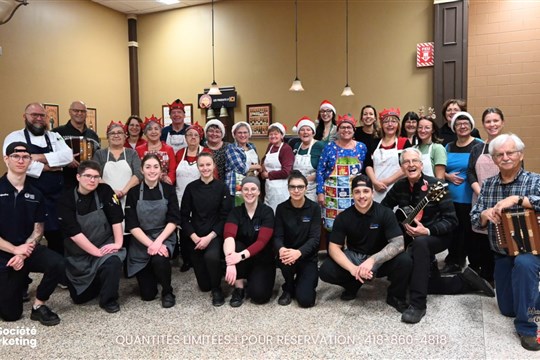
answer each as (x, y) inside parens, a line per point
(348, 295)
(45, 316)
(168, 300)
(217, 297)
(285, 299)
(185, 267)
(412, 315)
(476, 282)
(530, 343)
(111, 307)
(451, 269)
(398, 304)
(237, 298)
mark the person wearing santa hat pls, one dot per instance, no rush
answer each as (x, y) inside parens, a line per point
(174, 134)
(383, 166)
(277, 165)
(214, 131)
(341, 160)
(326, 128)
(307, 153)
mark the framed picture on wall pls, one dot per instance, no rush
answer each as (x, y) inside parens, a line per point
(91, 118)
(52, 115)
(166, 117)
(259, 117)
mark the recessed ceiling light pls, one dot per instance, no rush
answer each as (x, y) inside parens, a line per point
(168, 2)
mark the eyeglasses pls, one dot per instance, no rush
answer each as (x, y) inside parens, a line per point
(20, 157)
(411, 162)
(463, 124)
(91, 177)
(117, 133)
(192, 135)
(78, 111)
(346, 127)
(326, 111)
(297, 187)
(36, 115)
(509, 154)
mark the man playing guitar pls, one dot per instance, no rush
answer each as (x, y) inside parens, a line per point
(430, 235)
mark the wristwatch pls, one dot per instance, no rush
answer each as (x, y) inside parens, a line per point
(243, 256)
(520, 200)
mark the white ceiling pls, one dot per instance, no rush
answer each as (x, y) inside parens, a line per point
(146, 6)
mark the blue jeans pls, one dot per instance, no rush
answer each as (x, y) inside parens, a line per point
(517, 286)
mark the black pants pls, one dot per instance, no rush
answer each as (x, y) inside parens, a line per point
(55, 241)
(157, 271)
(481, 258)
(105, 284)
(187, 246)
(13, 283)
(303, 286)
(423, 280)
(207, 265)
(260, 273)
(396, 269)
(460, 236)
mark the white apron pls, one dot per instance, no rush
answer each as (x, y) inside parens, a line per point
(117, 174)
(185, 173)
(276, 190)
(485, 168)
(385, 164)
(251, 158)
(426, 160)
(302, 163)
(176, 141)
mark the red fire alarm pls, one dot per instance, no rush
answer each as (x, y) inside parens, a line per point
(425, 54)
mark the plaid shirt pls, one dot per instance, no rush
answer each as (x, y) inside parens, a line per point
(235, 163)
(493, 190)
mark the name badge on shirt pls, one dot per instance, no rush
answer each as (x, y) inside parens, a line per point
(256, 227)
(306, 219)
(373, 226)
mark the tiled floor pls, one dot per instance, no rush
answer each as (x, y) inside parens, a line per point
(461, 326)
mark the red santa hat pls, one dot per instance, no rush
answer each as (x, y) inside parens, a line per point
(327, 105)
(176, 104)
(304, 121)
(347, 118)
(215, 122)
(279, 126)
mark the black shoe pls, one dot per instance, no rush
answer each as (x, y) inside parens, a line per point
(237, 298)
(451, 269)
(530, 342)
(476, 282)
(45, 316)
(285, 298)
(413, 315)
(398, 304)
(217, 297)
(348, 295)
(168, 300)
(111, 307)
(185, 267)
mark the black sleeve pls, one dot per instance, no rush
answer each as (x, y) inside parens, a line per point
(67, 214)
(391, 198)
(279, 231)
(173, 209)
(311, 246)
(224, 209)
(132, 219)
(339, 230)
(111, 204)
(476, 151)
(185, 211)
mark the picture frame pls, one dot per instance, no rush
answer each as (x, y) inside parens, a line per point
(52, 112)
(165, 116)
(91, 118)
(259, 117)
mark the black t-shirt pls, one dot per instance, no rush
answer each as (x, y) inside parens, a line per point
(365, 233)
(68, 208)
(19, 211)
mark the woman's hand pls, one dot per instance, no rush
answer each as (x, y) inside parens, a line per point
(163, 251)
(233, 258)
(454, 178)
(379, 186)
(109, 249)
(154, 248)
(166, 179)
(230, 275)
(203, 242)
(119, 193)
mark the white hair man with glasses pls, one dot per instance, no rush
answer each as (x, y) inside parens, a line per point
(23, 213)
(516, 277)
(49, 154)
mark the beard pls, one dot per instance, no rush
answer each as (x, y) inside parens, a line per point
(36, 130)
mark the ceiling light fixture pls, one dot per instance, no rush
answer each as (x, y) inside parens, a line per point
(8, 8)
(347, 91)
(214, 88)
(168, 2)
(297, 84)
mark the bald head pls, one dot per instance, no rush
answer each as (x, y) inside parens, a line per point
(77, 113)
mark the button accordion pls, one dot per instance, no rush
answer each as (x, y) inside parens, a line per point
(519, 232)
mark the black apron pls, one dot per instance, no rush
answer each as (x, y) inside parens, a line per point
(151, 215)
(50, 183)
(81, 267)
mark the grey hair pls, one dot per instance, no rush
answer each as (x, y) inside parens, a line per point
(502, 139)
(410, 149)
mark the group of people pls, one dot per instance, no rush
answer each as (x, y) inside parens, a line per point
(138, 202)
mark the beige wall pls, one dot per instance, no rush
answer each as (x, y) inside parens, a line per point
(254, 51)
(60, 51)
(504, 67)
